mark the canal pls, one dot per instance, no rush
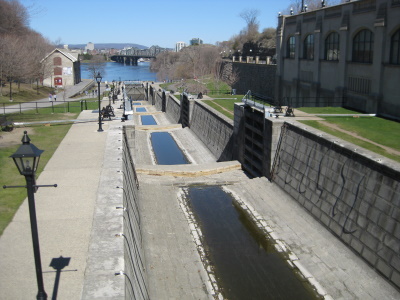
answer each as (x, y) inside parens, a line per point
(245, 263)
(148, 120)
(166, 150)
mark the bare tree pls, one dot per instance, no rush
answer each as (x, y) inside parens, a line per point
(96, 65)
(14, 17)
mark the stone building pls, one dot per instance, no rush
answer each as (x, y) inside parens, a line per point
(348, 54)
(61, 68)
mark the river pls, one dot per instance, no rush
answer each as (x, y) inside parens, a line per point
(117, 71)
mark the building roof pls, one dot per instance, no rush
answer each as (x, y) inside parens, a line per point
(65, 53)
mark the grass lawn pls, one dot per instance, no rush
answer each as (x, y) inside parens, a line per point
(377, 130)
(26, 93)
(327, 110)
(228, 104)
(44, 137)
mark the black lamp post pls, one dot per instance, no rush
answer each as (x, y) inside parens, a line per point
(26, 159)
(98, 80)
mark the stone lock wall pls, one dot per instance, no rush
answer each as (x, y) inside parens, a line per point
(214, 130)
(173, 109)
(355, 195)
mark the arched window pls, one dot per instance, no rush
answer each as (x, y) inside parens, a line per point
(332, 46)
(363, 46)
(395, 48)
(308, 49)
(290, 47)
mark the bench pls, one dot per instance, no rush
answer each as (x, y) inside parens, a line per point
(289, 112)
(105, 114)
(110, 110)
(6, 124)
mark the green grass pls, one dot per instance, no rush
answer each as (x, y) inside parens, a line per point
(226, 103)
(26, 93)
(378, 130)
(327, 110)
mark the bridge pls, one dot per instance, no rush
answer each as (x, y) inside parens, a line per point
(131, 55)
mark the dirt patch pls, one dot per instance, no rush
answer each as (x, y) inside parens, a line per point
(14, 137)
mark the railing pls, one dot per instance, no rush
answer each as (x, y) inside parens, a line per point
(263, 102)
(257, 100)
(136, 283)
(55, 106)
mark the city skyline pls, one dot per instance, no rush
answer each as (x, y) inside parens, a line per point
(123, 21)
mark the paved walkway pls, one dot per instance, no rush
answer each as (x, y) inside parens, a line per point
(65, 215)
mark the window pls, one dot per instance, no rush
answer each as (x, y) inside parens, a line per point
(363, 45)
(290, 47)
(57, 71)
(395, 48)
(308, 49)
(57, 61)
(332, 46)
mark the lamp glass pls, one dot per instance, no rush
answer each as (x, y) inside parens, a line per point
(27, 157)
(98, 77)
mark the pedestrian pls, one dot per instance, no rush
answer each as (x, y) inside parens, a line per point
(55, 97)
(50, 97)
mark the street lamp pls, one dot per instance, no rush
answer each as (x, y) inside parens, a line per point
(26, 158)
(98, 80)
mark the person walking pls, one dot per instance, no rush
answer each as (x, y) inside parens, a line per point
(55, 97)
(50, 97)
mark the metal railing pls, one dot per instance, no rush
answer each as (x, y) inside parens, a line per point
(55, 106)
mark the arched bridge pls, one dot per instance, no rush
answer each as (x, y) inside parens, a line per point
(131, 55)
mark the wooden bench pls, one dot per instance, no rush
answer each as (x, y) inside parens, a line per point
(105, 114)
(6, 124)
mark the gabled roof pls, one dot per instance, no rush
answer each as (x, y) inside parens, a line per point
(65, 53)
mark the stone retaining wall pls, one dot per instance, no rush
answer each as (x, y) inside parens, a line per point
(258, 78)
(355, 195)
(173, 109)
(136, 286)
(214, 130)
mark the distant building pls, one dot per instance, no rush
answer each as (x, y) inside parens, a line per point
(347, 53)
(89, 47)
(179, 46)
(196, 41)
(61, 68)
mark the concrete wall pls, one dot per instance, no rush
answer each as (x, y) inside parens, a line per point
(258, 78)
(173, 109)
(136, 286)
(355, 196)
(158, 101)
(214, 130)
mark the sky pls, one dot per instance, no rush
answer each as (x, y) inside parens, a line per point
(147, 23)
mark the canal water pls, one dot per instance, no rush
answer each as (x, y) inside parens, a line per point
(148, 120)
(119, 72)
(246, 264)
(166, 150)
